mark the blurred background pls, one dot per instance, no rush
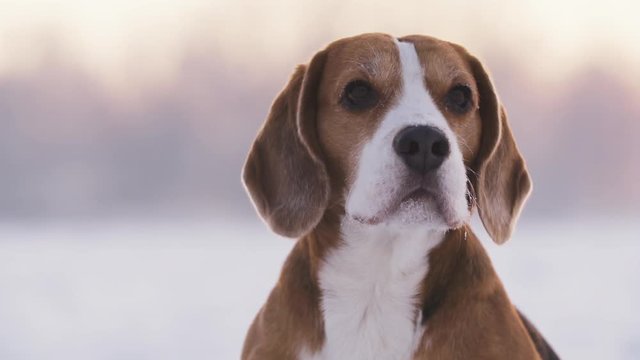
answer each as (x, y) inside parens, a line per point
(125, 232)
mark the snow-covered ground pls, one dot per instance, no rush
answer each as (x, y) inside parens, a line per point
(162, 290)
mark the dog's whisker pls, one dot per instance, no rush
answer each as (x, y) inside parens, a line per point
(471, 171)
(464, 143)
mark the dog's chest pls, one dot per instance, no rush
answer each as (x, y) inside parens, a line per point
(369, 287)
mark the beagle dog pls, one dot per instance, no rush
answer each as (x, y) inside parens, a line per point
(373, 157)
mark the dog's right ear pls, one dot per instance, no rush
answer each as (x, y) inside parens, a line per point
(285, 174)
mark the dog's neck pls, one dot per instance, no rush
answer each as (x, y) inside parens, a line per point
(453, 302)
(376, 285)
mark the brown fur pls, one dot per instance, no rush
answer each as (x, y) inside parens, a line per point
(302, 162)
(472, 317)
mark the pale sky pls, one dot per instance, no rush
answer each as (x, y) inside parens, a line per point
(143, 40)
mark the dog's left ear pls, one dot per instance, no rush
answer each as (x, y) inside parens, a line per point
(502, 182)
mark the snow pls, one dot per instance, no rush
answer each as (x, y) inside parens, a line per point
(189, 290)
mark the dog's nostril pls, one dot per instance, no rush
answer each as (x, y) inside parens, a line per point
(414, 147)
(440, 148)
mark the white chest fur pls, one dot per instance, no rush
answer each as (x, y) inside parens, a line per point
(369, 288)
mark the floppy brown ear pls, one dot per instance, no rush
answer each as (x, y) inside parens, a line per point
(503, 183)
(284, 173)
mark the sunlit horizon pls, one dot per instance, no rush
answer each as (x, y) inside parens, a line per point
(91, 90)
(132, 45)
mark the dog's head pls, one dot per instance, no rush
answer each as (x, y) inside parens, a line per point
(395, 131)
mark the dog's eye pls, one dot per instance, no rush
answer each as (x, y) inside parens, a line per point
(358, 95)
(458, 99)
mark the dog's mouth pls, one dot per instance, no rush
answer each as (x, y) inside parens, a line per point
(419, 194)
(413, 202)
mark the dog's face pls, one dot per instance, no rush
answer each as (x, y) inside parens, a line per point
(393, 119)
(403, 132)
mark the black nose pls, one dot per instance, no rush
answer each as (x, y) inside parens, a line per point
(423, 148)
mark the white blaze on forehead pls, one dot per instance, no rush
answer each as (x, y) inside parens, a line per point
(416, 104)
